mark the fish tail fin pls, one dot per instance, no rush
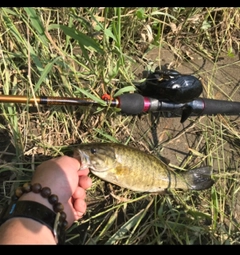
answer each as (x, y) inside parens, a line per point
(199, 178)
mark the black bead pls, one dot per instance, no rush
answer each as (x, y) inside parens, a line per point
(36, 187)
(58, 207)
(45, 192)
(53, 199)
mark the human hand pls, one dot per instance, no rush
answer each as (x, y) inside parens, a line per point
(61, 175)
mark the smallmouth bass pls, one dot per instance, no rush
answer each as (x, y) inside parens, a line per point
(137, 170)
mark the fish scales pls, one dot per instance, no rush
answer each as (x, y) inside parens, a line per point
(137, 170)
(140, 171)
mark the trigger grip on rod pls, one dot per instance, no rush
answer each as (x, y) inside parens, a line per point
(186, 112)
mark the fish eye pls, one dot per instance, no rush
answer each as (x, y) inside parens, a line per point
(93, 150)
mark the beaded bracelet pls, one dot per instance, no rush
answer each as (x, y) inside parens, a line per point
(45, 193)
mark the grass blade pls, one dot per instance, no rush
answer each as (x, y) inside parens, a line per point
(15, 32)
(44, 74)
(89, 95)
(37, 24)
(126, 228)
(163, 14)
(109, 137)
(126, 89)
(83, 39)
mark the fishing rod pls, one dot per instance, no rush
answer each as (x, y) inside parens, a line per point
(164, 91)
(134, 104)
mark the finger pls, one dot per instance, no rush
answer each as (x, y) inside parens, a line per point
(80, 206)
(79, 193)
(85, 182)
(83, 172)
(78, 215)
(67, 162)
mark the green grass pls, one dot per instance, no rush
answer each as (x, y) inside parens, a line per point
(86, 52)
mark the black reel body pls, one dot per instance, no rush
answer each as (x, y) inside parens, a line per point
(171, 85)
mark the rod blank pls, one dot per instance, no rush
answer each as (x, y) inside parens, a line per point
(46, 100)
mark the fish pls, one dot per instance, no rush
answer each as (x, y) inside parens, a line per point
(138, 170)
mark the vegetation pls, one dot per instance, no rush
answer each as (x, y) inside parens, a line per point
(86, 52)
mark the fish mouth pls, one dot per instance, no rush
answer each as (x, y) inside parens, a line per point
(85, 161)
